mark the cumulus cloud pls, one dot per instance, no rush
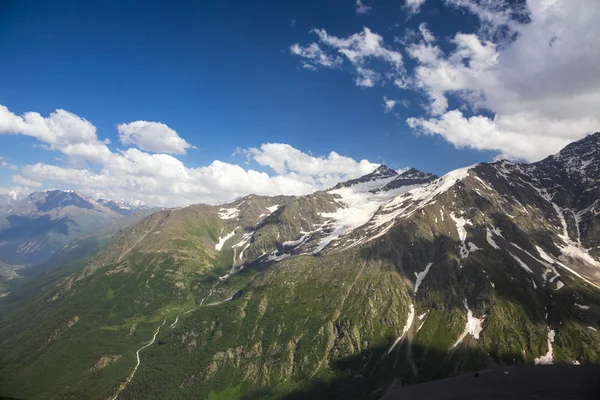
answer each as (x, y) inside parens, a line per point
(506, 133)
(152, 136)
(460, 72)
(542, 87)
(389, 104)
(162, 179)
(496, 15)
(61, 130)
(19, 180)
(363, 51)
(413, 6)
(283, 158)
(314, 56)
(426, 33)
(525, 84)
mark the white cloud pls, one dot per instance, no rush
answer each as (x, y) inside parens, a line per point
(315, 56)
(542, 87)
(61, 131)
(526, 83)
(19, 180)
(162, 179)
(15, 189)
(426, 33)
(6, 164)
(363, 50)
(283, 159)
(494, 15)
(152, 136)
(389, 104)
(413, 6)
(506, 133)
(362, 8)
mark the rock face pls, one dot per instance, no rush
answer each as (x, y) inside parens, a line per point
(384, 280)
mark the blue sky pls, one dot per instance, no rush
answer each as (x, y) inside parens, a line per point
(221, 74)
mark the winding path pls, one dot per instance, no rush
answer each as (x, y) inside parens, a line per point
(130, 377)
(210, 292)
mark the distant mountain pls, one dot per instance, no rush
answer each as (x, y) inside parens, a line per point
(124, 207)
(378, 175)
(386, 280)
(6, 199)
(35, 226)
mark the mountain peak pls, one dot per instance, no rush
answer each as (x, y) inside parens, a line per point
(580, 158)
(412, 173)
(412, 176)
(381, 172)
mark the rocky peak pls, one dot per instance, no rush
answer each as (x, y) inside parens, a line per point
(381, 172)
(572, 176)
(46, 201)
(582, 156)
(407, 178)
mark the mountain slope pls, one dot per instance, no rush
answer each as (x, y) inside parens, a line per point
(336, 294)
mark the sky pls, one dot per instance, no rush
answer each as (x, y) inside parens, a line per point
(207, 101)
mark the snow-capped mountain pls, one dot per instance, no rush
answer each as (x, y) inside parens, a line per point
(385, 279)
(10, 198)
(34, 226)
(124, 207)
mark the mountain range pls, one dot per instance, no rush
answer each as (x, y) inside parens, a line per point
(389, 279)
(35, 227)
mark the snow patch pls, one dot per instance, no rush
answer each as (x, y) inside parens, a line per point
(297, 242)
(473, 326)
(224, 239)
(409, 321)
(462, 233)
(245, 238)
(548, 357)
(229, 213)
(473, 247)
(420, 276)
(490, 239)
(272, 209)
(422, 320)
(521, 263)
